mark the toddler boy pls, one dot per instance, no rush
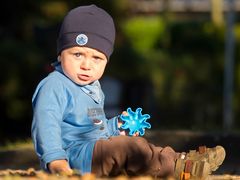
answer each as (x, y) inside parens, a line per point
(70, 129)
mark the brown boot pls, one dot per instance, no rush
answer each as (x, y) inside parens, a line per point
(197, 165)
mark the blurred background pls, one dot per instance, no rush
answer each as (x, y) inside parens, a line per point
(177, 59)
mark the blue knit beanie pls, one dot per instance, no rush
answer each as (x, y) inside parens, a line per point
(87, 26)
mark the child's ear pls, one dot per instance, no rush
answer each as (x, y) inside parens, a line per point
(59, 58)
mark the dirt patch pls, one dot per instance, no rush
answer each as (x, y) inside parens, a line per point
(23, 158)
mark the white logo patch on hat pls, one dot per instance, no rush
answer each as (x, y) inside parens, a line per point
(81, 39)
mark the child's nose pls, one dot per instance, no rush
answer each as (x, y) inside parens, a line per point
(85, 64)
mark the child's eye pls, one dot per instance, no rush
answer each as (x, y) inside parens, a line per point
(78, 54)
(97, 59)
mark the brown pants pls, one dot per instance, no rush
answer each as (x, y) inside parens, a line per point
(132, 156)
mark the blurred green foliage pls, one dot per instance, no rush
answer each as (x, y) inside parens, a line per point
(172, 68)
(144, 32)
(183, 61)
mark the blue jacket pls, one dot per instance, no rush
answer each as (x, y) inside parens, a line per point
(68, 119)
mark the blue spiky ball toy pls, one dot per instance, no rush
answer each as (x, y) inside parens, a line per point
(135, 121)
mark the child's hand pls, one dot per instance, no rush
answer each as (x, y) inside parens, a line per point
(124, 132)
(60, 167)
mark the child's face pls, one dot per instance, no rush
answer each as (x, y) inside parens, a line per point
(83, 65)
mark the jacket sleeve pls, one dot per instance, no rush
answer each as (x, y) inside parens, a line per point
(113, 126)
(48, 102)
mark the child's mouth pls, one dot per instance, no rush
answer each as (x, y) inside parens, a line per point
(83, 77)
